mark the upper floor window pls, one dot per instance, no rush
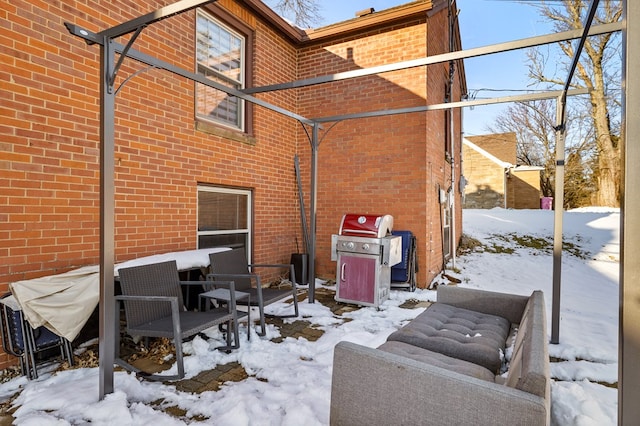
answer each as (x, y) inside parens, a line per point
(220, 56)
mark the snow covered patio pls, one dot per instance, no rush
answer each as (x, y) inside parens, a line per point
(288, 373)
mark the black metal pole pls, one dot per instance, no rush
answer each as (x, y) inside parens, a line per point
(107, 220)
(314, 205)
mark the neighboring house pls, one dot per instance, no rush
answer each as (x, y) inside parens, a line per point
(196, 168)
(493, 179)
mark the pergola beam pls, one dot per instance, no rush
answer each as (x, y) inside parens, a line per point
(153, 17)
(461, 104)
(442, 58)
(96, 38)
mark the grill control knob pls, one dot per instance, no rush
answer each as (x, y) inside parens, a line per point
(351, 245)
(365, 246)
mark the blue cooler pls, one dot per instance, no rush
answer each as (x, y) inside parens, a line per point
(403, 274)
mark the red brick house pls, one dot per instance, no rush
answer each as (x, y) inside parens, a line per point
(195, 167)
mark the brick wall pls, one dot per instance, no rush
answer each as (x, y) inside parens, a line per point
(49, 142)
(442, 174)
(383, 165)
(49, 139)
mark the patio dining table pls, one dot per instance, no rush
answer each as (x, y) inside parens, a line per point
(64, 302)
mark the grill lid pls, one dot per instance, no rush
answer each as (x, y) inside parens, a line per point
(366, 225)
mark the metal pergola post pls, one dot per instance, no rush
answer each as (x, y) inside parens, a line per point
(629, 320)
(106, 349)
(315, 142)
(561, 115)
(557, 220)
(108, 70)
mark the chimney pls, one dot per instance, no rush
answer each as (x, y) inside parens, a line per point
(365, 12)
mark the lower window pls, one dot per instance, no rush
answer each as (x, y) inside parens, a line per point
(224, 217)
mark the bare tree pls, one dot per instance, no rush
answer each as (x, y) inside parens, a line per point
(534, 124)
(599, 72)
(304, 13)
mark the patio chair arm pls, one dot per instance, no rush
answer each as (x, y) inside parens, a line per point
(275, 265)
(192, 282)
(147, 298)
(210, 277)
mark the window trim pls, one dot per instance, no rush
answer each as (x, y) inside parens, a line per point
(248, 192)
(226, 19)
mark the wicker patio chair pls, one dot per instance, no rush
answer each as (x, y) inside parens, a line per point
(153, 305)
(233, 265)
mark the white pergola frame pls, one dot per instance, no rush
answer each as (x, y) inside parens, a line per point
(629, 322)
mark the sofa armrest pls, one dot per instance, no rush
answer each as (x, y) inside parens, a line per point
(509, 306)
(370, 386)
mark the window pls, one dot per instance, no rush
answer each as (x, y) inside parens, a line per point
(220, 56)
(445, 200)
(446, 227)
(224, 217)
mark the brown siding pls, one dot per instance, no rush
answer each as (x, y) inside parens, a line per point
(526, 187)
(500, 145)
(485, 187)
(488, 183)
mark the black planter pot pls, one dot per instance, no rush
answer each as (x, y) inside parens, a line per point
(300, 263)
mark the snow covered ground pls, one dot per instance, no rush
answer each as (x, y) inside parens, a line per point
(290, 382)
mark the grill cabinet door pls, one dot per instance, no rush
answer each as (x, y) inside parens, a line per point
(357, 278)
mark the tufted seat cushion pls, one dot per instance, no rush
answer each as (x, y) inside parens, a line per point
(460, 333)
(436, 359)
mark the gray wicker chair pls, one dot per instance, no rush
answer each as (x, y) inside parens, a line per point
(153, 305)
(233, 265)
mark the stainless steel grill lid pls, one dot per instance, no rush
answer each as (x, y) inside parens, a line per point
(366, 225)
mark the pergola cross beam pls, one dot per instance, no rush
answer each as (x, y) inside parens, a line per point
(442, 58)
(126, 51)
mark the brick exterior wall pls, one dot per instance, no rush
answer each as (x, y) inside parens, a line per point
(384, 165)
(49, 138)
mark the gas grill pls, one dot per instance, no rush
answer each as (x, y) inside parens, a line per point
(365, 251)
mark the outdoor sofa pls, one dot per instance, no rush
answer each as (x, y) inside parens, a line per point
(444, 366)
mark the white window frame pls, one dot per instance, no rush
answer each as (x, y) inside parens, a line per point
(238, 84)
(248, 231)
(446, 227)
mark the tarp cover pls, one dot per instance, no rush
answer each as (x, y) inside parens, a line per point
(63, 303)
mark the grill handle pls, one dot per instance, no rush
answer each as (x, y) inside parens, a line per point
(342, 271)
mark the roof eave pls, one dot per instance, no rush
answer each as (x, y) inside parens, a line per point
(359, 24)
(292, 32)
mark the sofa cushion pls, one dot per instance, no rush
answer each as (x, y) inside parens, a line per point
(460, 333)
(438, 360)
